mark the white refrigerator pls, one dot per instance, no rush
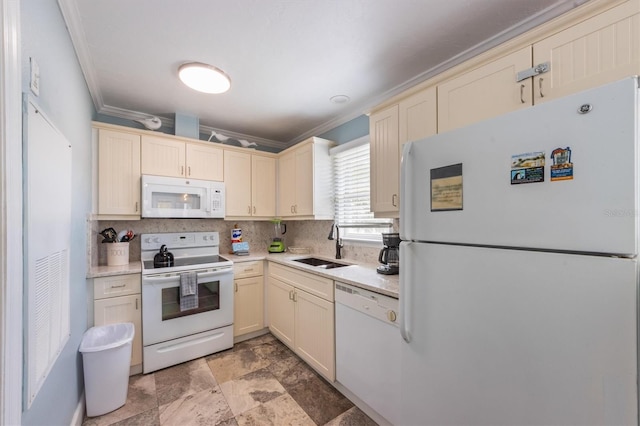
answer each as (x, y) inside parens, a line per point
(519, 268)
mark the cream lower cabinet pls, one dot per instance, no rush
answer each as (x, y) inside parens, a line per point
(248, 305)
(118, 299)
(118, 174)
(250, 182)
(596, 51)
(301, 315)
(166, 156)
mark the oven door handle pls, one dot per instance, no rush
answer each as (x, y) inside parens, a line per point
(201, 276)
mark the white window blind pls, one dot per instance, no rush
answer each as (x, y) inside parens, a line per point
(352, 194)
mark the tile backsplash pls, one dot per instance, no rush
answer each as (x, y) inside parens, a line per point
(309, 233)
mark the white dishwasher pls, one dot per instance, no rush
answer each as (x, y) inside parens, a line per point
(368, 348)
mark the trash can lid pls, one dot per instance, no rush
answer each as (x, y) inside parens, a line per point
(105, 337)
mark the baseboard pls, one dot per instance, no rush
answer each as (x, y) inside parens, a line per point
(78, 415)
(251, 335)
(362, 405)
(135, 369)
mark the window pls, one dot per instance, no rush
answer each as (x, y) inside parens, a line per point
(352, 205)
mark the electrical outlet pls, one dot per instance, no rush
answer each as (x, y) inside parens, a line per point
(35, 77)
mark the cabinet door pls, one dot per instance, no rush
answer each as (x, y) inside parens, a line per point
(116, 285)
(281, 310)
(304, 181)
(314, 332)
(162, 157)
(122, 309)
(485, 92)
(248, 311)
(118, 173)
(418, 117)
(204, 162)
(383, 143)
(237, 180)
(263, 186)
(286, 184)
(597, 51)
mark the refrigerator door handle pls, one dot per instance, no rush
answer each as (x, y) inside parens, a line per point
(405, 289)
(406, 188)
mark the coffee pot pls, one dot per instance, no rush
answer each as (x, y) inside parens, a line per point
(390, 255)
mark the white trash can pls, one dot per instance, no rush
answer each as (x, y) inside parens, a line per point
(106, 355)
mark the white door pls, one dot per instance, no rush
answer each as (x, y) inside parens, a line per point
(517, 337)
(485, 202)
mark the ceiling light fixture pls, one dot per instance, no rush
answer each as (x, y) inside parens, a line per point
(340, 99)
(204, 78)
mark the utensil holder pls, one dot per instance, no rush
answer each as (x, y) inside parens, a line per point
(117, 254)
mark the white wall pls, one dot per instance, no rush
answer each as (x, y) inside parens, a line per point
(65, 99)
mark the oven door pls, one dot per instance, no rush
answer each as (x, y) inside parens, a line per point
(162, 319)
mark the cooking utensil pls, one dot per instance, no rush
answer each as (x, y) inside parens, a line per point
(110, 235)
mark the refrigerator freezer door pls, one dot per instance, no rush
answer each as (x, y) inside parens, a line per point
(592, 208)
(506, 337)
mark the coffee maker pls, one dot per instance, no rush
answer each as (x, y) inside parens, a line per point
(390, 254)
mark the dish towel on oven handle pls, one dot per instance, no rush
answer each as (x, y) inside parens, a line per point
(188, 291)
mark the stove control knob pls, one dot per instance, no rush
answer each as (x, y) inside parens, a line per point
(391, 316)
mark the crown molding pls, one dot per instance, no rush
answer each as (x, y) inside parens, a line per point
(71, 16)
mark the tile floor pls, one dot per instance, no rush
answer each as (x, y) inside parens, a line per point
(258, 382)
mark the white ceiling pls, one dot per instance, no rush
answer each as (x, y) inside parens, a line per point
(286, 58)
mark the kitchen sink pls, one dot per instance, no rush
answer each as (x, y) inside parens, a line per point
(320, 263)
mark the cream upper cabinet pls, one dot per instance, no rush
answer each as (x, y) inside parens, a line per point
(263, 186)
(305, 181)
(237, 181)
(248, 311)
(485, 92)
(162, 156)
(414, 118)
(286, 184)
(418, 116)
(165, 156)
(250, 181)
(204, 162)
(384, 145)
(118, 173)
(596, 51)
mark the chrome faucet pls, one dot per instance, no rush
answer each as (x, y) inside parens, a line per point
(339, 244)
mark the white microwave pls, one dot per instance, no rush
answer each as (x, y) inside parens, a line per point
(181, 198)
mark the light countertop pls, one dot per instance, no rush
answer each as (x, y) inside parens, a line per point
(361, 275)
(107, 271)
